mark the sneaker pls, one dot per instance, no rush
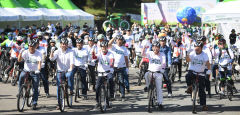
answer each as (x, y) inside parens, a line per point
(179, 80)
(5, 75)
(47, 95)
(221, 92)
(133, 65)
(123, 98)
(93, 88)
(169, 95)
(205, 108)
(85, 97)
(71, 93)
(189, 90)
(160, 106)
(34, 107)
(57, 108)
(96, 106)
(145, 89)
(128, 91)
(235, 90)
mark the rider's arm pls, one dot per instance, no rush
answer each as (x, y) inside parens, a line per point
(111, 42)
(53, 55)
(20, 57)
(208, 65)
(126, 61)
(39, 65)
(188, 58)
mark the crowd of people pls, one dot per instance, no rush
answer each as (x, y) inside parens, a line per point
(202, 50)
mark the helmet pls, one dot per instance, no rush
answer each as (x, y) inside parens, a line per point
(198, 44)
(10, 34)
(90, 39)
(104, 44)
(64, 41)
(201, 38)
(79, 41)
(163, 38)
(86, 36)
(119, 37)
(52, 41)
(19, 38)
(100, 36)
(39, 33)
(156, 44)
(31, 43)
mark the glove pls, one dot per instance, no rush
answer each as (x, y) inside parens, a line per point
(53, 49)
(37, 72)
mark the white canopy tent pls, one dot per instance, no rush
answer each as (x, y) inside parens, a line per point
(226, 15)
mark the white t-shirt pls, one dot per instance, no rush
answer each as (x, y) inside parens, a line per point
(225, 58)
(44, 53)
(208, 52)
(128, 40)
(90, 51)
(31, 60)
(198, 62)
(147, 45)
(104, 62)
(119, 55)
(64, 59)
(138, 47)
(81, 57)
(156, 62)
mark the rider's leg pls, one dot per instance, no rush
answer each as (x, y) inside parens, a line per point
(99, 82)
(60, 77)
(70, 77)
(83, 80)
(214, 68)
(202, 93)
(35, 82)
(120, 78)
(92, 75)
(21, 79)
(158, 82)
(180, 69)
(207, 83)
(12, 61)
(146, 79)
(126, 80)
(167, 81)
(111, 84)
(45, 80)
(222, 80)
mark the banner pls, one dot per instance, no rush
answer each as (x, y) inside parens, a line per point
(166, 11)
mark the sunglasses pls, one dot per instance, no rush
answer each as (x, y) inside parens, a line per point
(220, 43)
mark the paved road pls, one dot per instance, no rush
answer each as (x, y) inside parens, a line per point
(135, 103)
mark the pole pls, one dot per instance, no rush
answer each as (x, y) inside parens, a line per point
(106, 9)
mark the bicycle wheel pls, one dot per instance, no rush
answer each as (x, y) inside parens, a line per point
(29, 97)
(194, 97)
(14, 77)
(150, 98)
(140, 77)
(229, 91)
(124, 24)
(106, 23)
(77, 93)
(21, 98)
(102, 99)
(69, 96)
(61, 98)
(217, 86)
(5, 78)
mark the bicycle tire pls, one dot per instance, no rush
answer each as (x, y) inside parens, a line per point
(77, 89)
(101, 99)
(217, 86)
(61, 98)
(106, 23)
(229, 91)
(124, 24)
(104, 97)
(150, 98)
(14, 77)
(68, 97)
(21, 95)
(195, 89)
(29, 97)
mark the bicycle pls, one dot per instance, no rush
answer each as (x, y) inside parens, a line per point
(195, 86)
(78, 86)
(63, 93)
(229, 86)
(104, 92)
(4, 62)
(143, 70)
(15, 74)
(25, 93)
(173, 69)
(152, 91)
(119, 22)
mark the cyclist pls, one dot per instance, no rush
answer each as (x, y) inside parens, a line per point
(167, 51)
(129, 42)
(198, 60)
(138, 48)
(178, 54)
(91, 64)
(15, 50)
(65, 63)
(207, 50)
(225, 59)
(80, 62)
(43, 75)
(105, 64)
(32, 63)
(157, 63)
(121, 61)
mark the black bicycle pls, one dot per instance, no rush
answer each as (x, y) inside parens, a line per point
(63, 92)
(25, 93)
(104, 92)
(229, 86)
(152, 95)
(143, 70)
(15, 74)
